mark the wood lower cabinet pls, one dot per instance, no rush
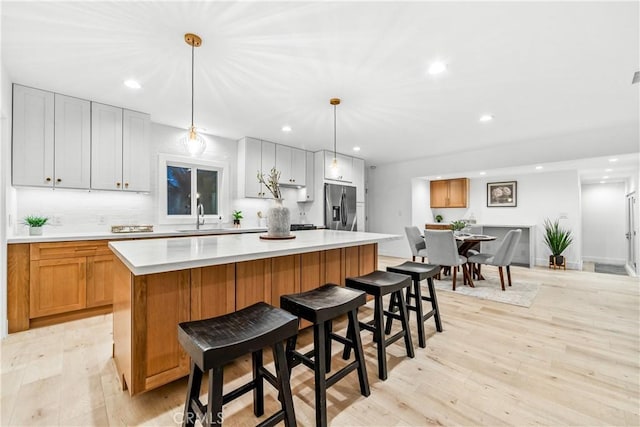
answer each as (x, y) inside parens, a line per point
(53, 282)
(449, 193)
(148, 308)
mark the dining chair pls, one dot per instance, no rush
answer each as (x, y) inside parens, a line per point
(502, 257)
(416, 242)
(443, 250)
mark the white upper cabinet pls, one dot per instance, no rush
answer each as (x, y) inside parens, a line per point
(306, 193)
(291, 163)
(120, 155)
(33, 125)
(358, 179)
(106, 147)
(51, 139)
(72, 153)
(343, 172)
(136, 156)
(254, 156)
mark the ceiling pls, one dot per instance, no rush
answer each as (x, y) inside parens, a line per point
(541, 69)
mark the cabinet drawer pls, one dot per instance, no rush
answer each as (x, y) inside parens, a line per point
(69, 249)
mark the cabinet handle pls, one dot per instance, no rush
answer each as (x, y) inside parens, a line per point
(48, 179)
(126, 185)
(118, 184)
(58, 180)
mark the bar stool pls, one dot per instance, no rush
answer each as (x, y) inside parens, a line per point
(320, 306)
(379, 284)
(418, 272)
(214, 342)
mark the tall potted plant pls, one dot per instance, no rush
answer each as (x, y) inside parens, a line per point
(557, 239)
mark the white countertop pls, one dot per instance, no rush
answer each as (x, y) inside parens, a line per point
(165, 231)
(162, 255)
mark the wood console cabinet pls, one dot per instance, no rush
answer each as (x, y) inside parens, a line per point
(450, 193)
(148, 308)
(53, 282)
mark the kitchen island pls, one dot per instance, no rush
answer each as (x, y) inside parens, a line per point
(161, 282)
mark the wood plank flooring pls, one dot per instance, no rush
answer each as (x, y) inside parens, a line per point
(571, 359)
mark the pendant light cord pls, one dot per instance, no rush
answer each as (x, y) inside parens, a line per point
(334, 132)
(192, 62)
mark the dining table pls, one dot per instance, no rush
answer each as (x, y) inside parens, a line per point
(469, 242)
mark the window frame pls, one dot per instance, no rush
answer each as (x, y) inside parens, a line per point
(222, 168)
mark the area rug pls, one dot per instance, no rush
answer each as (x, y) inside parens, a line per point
(520, 293)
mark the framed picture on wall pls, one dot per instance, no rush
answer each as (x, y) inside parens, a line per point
(502, 194)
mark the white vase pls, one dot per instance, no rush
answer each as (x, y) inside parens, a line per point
(278, 220)
(35, 231)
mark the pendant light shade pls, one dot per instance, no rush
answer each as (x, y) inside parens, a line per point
(334, 163)
(192, 142)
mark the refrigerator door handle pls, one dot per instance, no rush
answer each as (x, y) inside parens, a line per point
(343, 210)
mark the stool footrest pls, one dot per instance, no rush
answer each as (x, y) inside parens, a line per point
(396, 316)
(367, 326)
(342, 373)
(341, 340)
(272, 420)
(395, 337)
(234, 394)
(299, 358)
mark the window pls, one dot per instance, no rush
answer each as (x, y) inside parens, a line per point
(186, 183)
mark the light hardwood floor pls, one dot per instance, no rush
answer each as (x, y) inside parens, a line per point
(572, 358)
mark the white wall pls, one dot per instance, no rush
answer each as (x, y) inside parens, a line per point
(5, 168)
(604, 223)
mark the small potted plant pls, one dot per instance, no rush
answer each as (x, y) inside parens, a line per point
(557, 239)
(439, 218)
(35, 224)
(457, 226)
(237, 216)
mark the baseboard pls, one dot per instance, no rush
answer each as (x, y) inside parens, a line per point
(600, 260)
(630, 271)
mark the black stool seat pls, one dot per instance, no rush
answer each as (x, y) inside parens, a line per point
(418, 272)
(324, 303)
(321, 306)
(214, 342)
(379, 284)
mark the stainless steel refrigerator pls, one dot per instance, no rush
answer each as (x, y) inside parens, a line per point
(340, 207)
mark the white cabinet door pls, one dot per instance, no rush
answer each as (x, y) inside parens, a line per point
(361, 217)
(358, 179)
(106, 147)
(306, 193)
(72, 142)
(136, 156)
(33, 136)
(268, 162)
(283, 164)
(298, 167)
(343, 172)
(253, 165)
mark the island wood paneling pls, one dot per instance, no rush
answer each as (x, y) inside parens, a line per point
(368, 259)
(18, 287)
(334, 266)
(122, 321)
(351, 261)
(285, 277)
(253, 282)
(213, 291)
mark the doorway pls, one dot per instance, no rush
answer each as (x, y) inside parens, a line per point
(631, 233)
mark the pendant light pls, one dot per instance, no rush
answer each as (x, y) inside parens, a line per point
(193, 143)
(334, 164)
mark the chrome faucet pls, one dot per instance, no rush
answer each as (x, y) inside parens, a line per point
(199, 213)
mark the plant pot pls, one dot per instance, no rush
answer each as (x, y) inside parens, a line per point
(35, 231)
(558, 260)
(236, 223)
(278, 220)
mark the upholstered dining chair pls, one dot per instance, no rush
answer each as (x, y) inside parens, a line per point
(416, 242)
(443, 250)
(502, 257)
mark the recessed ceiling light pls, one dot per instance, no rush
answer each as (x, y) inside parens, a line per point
(286, 128)
(437, 68)
(605, 177)
(486, 118)
(132, 84)
(539, 167)
(602, 182)
(613, 160)
(483, 173)
(608, 170)
(356, 148)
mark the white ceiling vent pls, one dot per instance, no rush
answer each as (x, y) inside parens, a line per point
(636, 77)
